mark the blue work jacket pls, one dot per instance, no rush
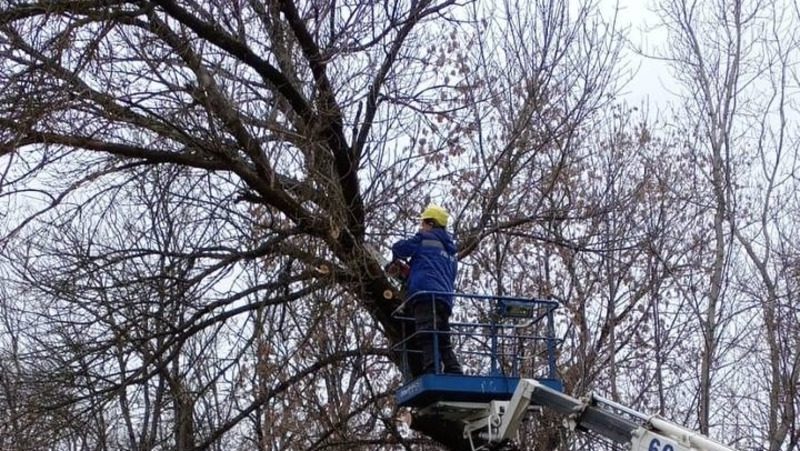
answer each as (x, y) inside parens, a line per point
(433, 264)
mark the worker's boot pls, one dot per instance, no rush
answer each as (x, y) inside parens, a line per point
(451, 364)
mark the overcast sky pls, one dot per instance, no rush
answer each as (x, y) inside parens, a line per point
(652, 78)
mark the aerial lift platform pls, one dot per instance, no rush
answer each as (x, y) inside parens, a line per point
(507, 346)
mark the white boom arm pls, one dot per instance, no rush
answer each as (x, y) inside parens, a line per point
(670, 436)
(604, 417)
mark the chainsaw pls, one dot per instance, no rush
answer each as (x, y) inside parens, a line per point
(398, 270)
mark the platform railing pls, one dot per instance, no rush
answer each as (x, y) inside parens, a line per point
(491, 335)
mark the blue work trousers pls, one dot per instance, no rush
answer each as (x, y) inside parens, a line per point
(432, 319)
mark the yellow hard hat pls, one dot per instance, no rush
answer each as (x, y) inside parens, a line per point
(436, 213)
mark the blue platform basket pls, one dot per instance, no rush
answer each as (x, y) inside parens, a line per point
(498, 340)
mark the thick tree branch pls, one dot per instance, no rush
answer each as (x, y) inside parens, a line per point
(243, 53)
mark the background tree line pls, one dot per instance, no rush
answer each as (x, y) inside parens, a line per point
(193, 194)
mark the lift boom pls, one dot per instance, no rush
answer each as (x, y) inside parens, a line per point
(599, 415)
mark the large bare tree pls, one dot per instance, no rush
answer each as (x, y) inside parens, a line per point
(734, 63)
(194, 193)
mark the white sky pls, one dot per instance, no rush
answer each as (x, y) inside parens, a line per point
(652, 79)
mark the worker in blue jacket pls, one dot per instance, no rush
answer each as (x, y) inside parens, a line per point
(433, 265)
